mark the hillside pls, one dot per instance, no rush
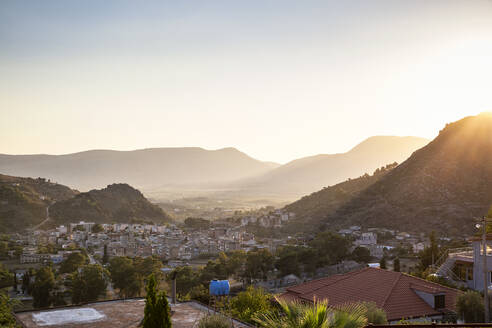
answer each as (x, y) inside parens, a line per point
(442, 186)
(156, 168)
(329, 199)
(23, 201)
(309, 174)
(115, 203)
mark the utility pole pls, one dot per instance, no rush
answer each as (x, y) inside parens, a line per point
(485, 271)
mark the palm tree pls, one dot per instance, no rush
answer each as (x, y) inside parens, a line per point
(315, 315)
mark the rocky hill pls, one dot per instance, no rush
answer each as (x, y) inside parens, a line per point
(24, 201)
(329, 199)
(309, 174)
(442, 186)
(115, 203)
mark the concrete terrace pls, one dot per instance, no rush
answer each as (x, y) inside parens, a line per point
(114, 314)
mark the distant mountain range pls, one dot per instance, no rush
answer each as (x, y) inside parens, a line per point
(228, 169)
(26, 203)
(308, 174)
(443, 186)
(155, 168)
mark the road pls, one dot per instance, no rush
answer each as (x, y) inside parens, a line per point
(44, 221)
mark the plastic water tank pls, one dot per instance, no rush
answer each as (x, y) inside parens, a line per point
(219, 287)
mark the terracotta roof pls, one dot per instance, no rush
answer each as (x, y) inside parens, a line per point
(394, 292)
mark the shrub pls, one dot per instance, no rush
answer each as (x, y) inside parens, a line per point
(375, 315)
(214, 321)
(469, 307)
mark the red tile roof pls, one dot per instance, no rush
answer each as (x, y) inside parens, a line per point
(394, 292)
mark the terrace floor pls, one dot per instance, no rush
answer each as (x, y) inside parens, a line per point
(114, 314)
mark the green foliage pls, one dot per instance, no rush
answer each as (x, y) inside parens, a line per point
(6, 278)
(382, 263)
(125, 277)
(43, 286)
(361, 255)
(247, 304)
(157, 312)
(97, 228)
(197, 223)
(396, 264)
(258, 263)
(331, 247)
(316, 315)
(288, 261)
(469, 307)
(214, 321)
(105, 258)
(73, 262)
(429, 254)
(375, 315)
(186, 279)
(7, 319)
(88, 284)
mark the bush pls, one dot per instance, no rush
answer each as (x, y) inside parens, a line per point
(375, 315)
(469, 307)
(246, 304)
(215, 321)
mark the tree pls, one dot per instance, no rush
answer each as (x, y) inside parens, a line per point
(105, 258)
(42, 287)
(316, 315)
(6, 278)
(469, 307)
(361, 255)
(88, 284)
(396, 264)
(156, 312)
(7, 319)
(125, 277)
(250, 302)
(331, 248)
(26, 282)
(382, 263)
(73, 262)
(97, 228)
(429, 254)
(288, 261)
(258, 263)
(186, 279)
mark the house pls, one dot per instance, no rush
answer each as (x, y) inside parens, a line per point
(398, 294)
(464, 266)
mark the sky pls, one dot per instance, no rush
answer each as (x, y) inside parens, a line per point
(277, 80)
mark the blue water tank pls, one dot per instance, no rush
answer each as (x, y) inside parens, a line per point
(219, 287)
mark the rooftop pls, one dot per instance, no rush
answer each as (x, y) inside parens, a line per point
(394, 292)
(114, 314)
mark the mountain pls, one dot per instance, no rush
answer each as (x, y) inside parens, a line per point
(115, 203)
(329, 199)
(27, 203)
(23, 201)
(155, 168)
(442, 186)
(309, 174)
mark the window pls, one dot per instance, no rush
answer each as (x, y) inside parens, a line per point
(439, 301)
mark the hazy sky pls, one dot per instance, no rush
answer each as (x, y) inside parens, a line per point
(275, 79)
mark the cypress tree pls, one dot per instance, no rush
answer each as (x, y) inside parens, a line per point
(105, 258)
(156, 313)
(396, 265)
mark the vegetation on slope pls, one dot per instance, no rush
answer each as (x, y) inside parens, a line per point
(115, 203)
(23, 201)
(442, 186)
